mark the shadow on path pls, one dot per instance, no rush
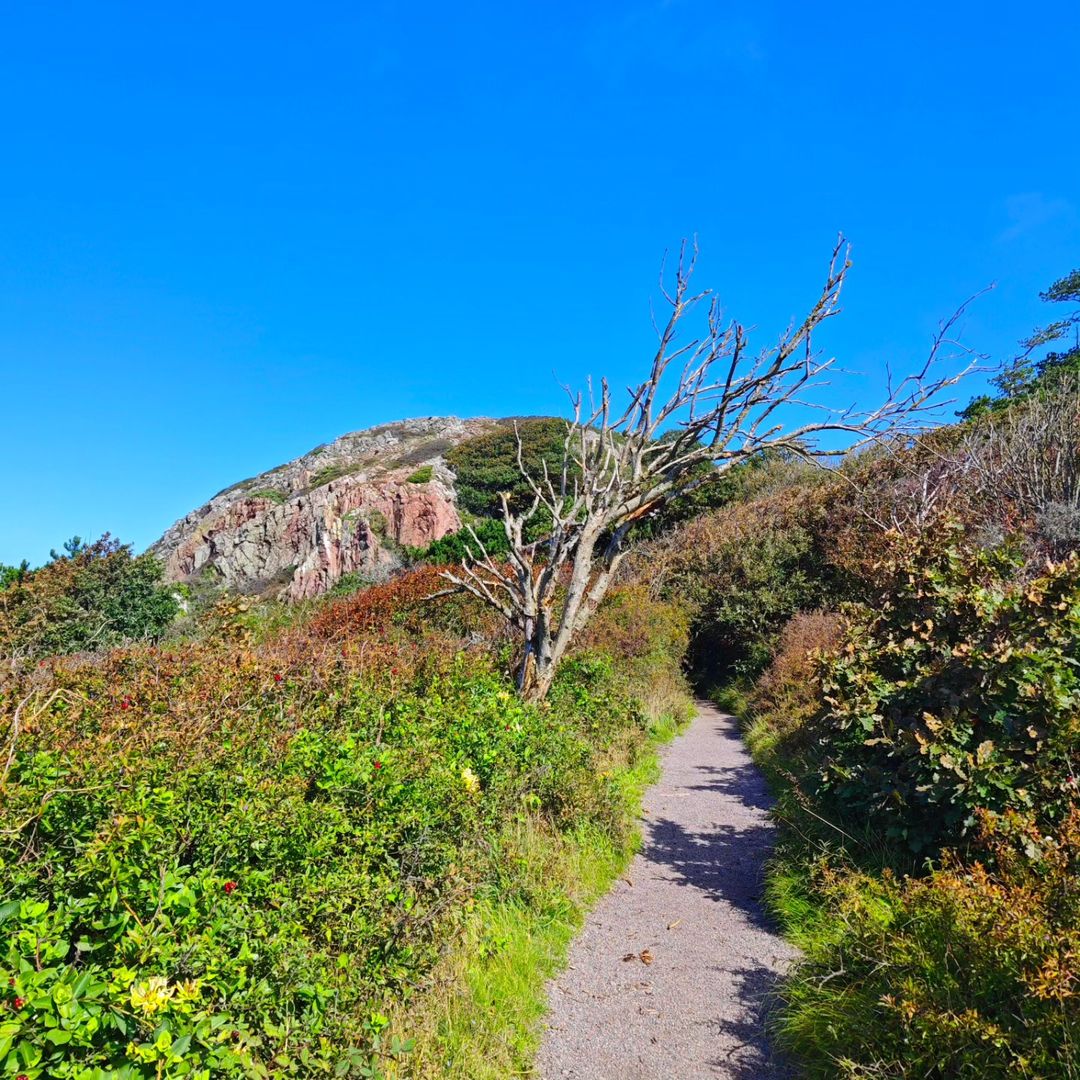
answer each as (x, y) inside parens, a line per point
(741, 782)
(693, 897)
(725, 863)
(756, 988)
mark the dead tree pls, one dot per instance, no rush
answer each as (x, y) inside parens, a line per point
(727, 405)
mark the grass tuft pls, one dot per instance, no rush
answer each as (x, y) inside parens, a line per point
(422, 475)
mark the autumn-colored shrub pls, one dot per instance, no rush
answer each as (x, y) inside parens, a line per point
(967, 972)
(789, 691)
(403, 602)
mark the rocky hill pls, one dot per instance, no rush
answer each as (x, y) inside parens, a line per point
(347, 507)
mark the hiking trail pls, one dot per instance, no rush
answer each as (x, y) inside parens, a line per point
(669, 977)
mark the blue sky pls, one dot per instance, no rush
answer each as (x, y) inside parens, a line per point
(232, 232)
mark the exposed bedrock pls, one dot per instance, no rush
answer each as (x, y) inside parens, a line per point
(347, 507)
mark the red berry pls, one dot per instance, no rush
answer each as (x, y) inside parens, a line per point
(229, 886)
(277, 678)
(18, 1003)
(378, 764)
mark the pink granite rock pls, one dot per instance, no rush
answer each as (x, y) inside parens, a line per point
(347, 507)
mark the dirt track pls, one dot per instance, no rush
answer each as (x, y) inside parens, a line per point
(668, 978)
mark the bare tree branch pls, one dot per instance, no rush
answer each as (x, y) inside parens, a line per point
(708, 401)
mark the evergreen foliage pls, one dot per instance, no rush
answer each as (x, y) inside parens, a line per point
(91, 597)
(487, 466)
(1028, 374)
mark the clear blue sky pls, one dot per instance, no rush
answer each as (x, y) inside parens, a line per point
(233, 231)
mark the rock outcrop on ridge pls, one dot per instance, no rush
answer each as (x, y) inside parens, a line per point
(347, 507)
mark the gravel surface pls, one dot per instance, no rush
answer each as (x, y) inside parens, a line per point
(670, 976)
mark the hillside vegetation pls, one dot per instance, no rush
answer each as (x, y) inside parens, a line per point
(903, 640)
(251, 852)
(91, 597)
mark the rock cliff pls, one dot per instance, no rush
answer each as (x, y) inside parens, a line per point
(346, 507)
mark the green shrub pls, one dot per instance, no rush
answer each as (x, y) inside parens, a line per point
(331, 472)
(422, 475)
(957, 692)
(948, 718)
(271, 495)
(348, 584)
(227, 859)
(456, 547)
(94, 597)
(12, 575)
(487, 465)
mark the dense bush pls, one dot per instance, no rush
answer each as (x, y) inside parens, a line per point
(958, 691)
(225, 858)
(487, 465)
(95, 596)
(788, 692)
(458, 546)
(940, 712)
(10, 575)
(745, 570)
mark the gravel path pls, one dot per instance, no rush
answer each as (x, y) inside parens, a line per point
(668, 978)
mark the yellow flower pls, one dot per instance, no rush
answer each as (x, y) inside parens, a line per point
(470, 780)
(151, 996)
(188, 991)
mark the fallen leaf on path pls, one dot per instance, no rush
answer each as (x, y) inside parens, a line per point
(646, 956)
(672, 925)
